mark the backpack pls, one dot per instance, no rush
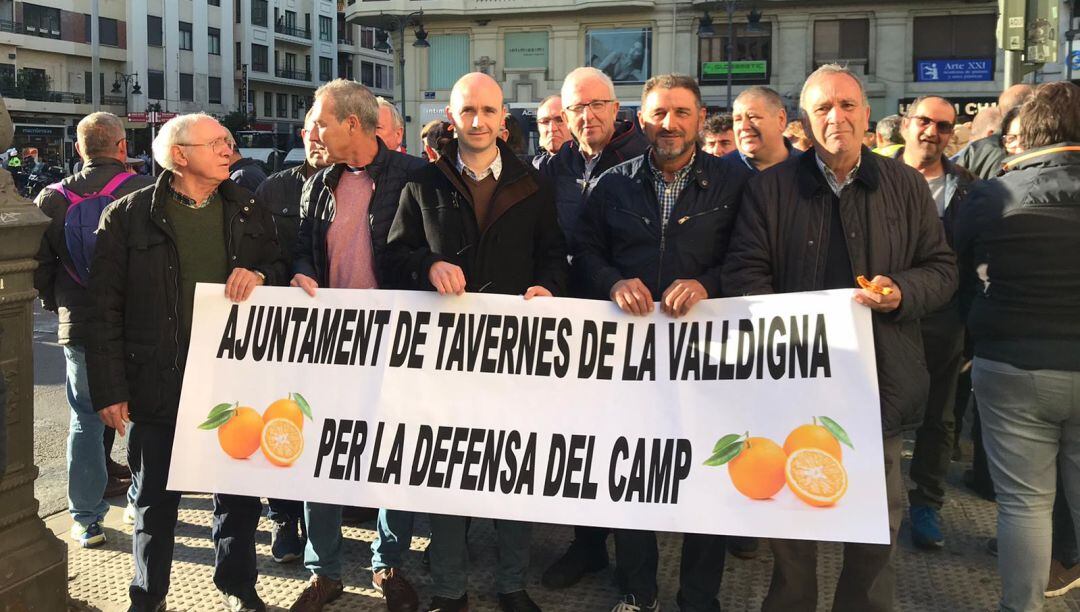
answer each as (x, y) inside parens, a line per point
(81, 223)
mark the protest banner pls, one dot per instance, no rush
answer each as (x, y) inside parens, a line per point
(752, 416)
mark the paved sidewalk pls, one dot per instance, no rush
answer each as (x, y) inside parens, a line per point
(960, 578)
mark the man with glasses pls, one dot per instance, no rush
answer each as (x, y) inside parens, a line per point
(552, 128)
(600, 143)
(926, 129)
(92, 474)
(193, 226)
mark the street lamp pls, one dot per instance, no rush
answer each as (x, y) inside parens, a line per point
(130, 80)
(399, 23)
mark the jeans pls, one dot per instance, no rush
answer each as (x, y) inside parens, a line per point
(450, 556)
(1031, 427)
(284, 510)
(85, 448)
(867, 580)
(701, 568)
(322, 555)
(395, 529)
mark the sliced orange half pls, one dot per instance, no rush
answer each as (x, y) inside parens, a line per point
(815, 476)
(282, 442)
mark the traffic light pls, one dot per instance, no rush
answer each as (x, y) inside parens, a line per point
(1030, 27)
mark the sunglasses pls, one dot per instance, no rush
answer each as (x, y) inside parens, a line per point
(945, 127)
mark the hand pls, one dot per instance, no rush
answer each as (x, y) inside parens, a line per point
(115, 416)
(632, 296)
(240, 284)
(876, 301)
(447, 278)
(536, 291)
(306, 283)
(681, 296)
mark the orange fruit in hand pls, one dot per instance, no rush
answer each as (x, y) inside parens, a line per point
(758, 471)
(285, 408)
(239, 436)
(282, 442)
(813, 436)
(815, 476)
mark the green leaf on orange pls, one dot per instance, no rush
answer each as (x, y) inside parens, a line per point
(724, 442)
(726, 454)
(304, 406)
(837, 431)
(219, 415)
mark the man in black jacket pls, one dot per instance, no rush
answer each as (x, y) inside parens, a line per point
(816, 222)
(194, 225)
(983, 157)
(477, 220)
(657, 227)
(244, 171)
(1017, 238)
(926, 128)
(92, 474)
(345, 214)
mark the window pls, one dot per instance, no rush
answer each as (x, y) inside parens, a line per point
(624, 54)
(448, 59)
(295, 106)
(155, 85)
(326, 69)
(367, 38)
(955, 37)
(752, 59)
(213, 86)
(268, 104)
(326, 28)
(389, 77)
(238, 16)
(282, 105)
(213, 41)
(290, 20)
(345, 66)
(185, 36)
(108, 33)
(843, 41)
(88, 83)
(153, 31)
(187, 87)
(380, 76)
(238, 62)
(526, 50)
(41, 20)
(344, 31)
(367, 74)
(258, 12)
(213, 2)
(258, 58)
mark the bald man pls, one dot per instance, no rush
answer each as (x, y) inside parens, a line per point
(984, 157)
(478, 220)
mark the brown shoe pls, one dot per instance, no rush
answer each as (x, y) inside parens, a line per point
(319, 592)
(1062, 579)
(118, 470)
(398, 591)
(115, 487)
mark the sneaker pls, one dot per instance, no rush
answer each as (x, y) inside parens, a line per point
(129, 514)
(578, 561)
(115, 487)
(117, 470)
(320, 591)
(396, 589)
(251, 602)
(743, 548)
(629, 604)
(445, 604)
(88, 536)
(991, 546)
(926, 528)
(1062, 579)
(518, 601)
(285, 545)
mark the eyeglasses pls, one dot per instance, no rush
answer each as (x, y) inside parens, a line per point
(1011, 138)
(945, 127)
(218, 145)
(550, 120)
(595, 106)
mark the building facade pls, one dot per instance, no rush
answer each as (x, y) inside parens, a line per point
(903, 49)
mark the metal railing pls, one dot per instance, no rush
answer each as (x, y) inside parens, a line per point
(301, 75)
(17, 27)
(63, 97)
(287, 30)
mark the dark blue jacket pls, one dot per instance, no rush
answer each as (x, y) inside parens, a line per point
(390, 170)
(619, 233)
(737, 156)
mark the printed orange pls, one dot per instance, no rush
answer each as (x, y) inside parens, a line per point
(813, 436)
(239, 436)
(282, 442)
(758, 471)
(815, 476)
(286, 408)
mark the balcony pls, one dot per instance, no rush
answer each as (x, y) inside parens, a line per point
(15, 27)
(299, 75)
(61, 97)
(372, 12)
(292, 30)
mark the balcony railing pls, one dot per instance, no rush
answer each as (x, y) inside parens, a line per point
(288, 30)
(63, 97)
(15, 27)
(300, 75)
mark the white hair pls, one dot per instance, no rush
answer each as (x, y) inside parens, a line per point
(399, 122)
(174, 132)
(584, 73)
(830, 70)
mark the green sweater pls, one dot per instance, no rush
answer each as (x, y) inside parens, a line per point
(200, 242)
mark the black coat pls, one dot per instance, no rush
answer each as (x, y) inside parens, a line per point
(59, 292)
(521, 247)
(389, 170)
(620, 234)
(281, 193)
(891, 228)
(248, 173)
(136, 352)
(983, 157)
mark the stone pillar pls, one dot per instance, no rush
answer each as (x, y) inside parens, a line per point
(33, 562)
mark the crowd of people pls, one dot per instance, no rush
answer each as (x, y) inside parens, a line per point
(977, 251)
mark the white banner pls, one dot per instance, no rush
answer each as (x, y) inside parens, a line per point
(751, 416)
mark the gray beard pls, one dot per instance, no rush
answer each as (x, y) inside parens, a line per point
(667, 153)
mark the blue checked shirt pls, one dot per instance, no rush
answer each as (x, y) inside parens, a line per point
(668, 193)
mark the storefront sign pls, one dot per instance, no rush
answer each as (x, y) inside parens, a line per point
(954, 70)
(738, 67)
(966, 107)
(39, 131)
(526, 50)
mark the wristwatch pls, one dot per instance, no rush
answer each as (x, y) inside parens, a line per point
(261, 276)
